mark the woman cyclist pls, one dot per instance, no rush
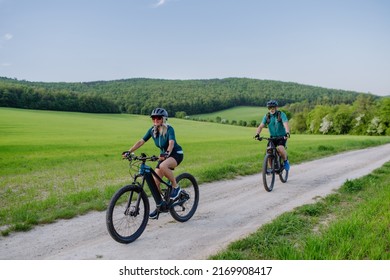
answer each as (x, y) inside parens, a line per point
(171, 153)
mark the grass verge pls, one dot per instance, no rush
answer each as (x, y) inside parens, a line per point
(351, 224)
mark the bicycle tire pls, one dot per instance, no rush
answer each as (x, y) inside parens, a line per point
(125, 223)
(185, 206)
(268, 172)
(283, 174)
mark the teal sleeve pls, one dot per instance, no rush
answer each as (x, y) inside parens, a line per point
(264, 121)
(284, 117)
(148, 135)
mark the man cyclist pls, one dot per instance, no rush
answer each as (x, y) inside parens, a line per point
(278, 127)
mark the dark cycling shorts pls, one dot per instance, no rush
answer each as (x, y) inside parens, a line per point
(280, 142)
(176, 156)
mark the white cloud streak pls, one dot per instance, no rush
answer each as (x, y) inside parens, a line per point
(160, 3)
(8, 36)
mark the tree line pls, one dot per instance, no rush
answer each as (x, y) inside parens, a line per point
(140, 96)
(365, 116)
(23, 96)
(311, 109)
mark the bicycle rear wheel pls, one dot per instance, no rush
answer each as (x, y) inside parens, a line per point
(283, 174)
(185, 206)
(127, 214)
(268, 172)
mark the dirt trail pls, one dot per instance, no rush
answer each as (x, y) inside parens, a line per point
(228, 210)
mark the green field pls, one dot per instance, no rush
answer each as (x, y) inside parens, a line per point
(58, 164)
(243, 113)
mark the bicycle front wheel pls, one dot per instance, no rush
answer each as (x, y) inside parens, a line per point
(127, 214)
(268, 172)
(283, 174)
(185, 206)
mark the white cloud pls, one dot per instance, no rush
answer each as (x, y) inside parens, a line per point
(8, 36)
(163, 2)
(160, 3)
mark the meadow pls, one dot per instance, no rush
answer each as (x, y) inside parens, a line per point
(56, 165)
(243, 113)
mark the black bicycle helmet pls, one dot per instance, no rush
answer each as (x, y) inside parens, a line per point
(159, 112)
(272, 103)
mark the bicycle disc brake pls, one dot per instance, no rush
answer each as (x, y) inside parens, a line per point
(132, 211)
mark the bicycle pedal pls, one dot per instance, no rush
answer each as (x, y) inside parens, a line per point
(154, 217)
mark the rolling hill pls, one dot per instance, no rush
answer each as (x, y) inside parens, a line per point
(140, 96)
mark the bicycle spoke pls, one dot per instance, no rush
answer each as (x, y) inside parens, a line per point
(127, 214)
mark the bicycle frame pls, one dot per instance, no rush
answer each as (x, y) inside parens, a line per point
(272, 149)
(148, 175)
(162, 200)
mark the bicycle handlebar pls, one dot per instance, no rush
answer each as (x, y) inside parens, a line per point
(270, 138)
(143, 157)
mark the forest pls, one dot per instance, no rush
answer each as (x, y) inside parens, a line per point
(367, 115)
(311, 109)
(140, 96)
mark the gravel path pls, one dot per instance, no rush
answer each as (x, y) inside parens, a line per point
(227, 211)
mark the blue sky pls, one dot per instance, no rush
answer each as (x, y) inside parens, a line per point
(342, 44)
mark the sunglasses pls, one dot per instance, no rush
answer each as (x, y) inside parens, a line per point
(269, 108)
(156, 118)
